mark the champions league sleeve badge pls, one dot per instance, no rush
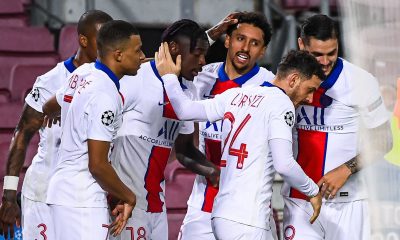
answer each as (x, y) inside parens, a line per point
(107, 118)
(35, 94)
(289, 118)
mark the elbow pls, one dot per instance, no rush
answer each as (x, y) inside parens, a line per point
(95, 170)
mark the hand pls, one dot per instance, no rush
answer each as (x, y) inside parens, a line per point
(214, 177)
(220, 28)
(164, 63)
(316, 203)
(122, 212)
(48, 122)
(332, 181)
(10, 213)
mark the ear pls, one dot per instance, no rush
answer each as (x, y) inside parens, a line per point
(173, 48)
(227, 41)
(263, 52)
(301, 43)
(83, 40)
(118, 55)
(293, 78)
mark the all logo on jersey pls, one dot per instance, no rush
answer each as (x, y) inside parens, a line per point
(107, 118)
(35, 94)
(289, 118)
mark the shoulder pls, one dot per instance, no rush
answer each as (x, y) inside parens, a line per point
(266, 74)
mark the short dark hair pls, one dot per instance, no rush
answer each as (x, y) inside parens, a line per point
(89, 19)
(302, 62)
(256, 19)
(184, 28)
(112, 34)
(320, 27)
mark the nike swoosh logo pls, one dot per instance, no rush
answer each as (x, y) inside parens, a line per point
(208, 96)
(163, 103)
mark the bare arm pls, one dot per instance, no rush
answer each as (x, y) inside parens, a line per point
(108, 179)
(29, 124)
(380, 139)
(190, 157)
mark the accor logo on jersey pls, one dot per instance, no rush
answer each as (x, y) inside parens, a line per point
(169, 130)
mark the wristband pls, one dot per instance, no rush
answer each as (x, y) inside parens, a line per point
(210, 41)
(10, 183)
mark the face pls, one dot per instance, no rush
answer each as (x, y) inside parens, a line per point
(131, 55)
(302, 90)
(192, 61)
(245, 47)
(326, 52)
(91, 48)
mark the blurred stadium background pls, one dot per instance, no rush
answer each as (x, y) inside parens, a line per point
(36, 34)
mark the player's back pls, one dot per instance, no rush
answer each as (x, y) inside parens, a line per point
(246, 166)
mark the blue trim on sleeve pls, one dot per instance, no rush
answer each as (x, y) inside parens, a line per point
(107, 71)
(69, 64)
(222, 76)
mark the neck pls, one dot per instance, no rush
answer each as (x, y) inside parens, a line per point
(280, 84)
(81, 58)
(113, 67)
(232, 72)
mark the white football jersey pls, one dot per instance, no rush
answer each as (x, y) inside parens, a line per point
(252, 116)
(95, 113)
(328, 129)
(147, 135)
(211, 81)
(37, 176)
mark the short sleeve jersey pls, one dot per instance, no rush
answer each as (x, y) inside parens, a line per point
(144, 142)
(96, 114)
(37, 176)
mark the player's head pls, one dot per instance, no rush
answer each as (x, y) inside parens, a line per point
(186, 38)
(299, 74)
(319, 35)
(119, 45)
(88, 27)
(247, 41)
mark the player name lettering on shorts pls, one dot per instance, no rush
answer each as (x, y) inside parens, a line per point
(211, 135)
(242, 100)
(334, 128)
(156, 141)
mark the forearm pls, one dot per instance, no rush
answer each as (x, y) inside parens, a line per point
(197, 163)
(108, 179)
(289, 169)
(185, 108)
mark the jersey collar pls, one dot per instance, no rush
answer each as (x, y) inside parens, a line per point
(153, 66)
(268, 84)
(107, 71)
(69, 64)
(222, 76)
(333, 76)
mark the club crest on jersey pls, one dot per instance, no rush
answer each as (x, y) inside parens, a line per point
(289, 118)
(35, 94)
(107, 118)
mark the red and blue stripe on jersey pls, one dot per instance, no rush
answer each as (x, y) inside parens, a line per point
(213, 147)
(168, 110)
(312, 145)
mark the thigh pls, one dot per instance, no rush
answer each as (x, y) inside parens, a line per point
(347, 221)
(36, 220)
(80, 223)
(296, 225)
(229, 230)
(196, 225)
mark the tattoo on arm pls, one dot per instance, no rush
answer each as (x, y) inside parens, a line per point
(352, 164)
(29, 123)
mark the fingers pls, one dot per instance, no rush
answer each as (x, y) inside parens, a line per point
(314, 216)
(166, 52)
